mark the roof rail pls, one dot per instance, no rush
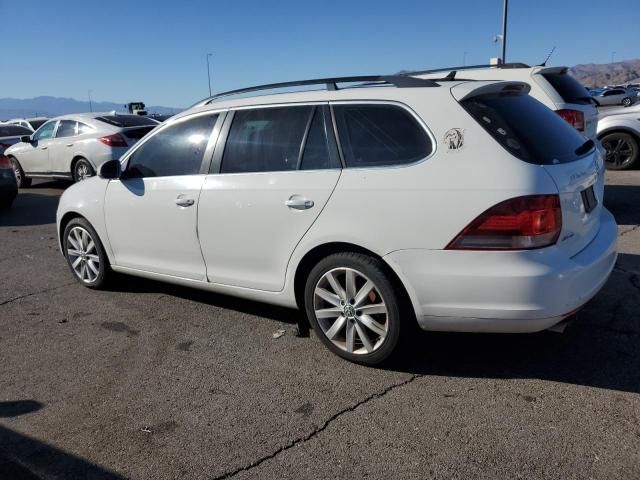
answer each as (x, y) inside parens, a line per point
(400, 81)
(467, 67)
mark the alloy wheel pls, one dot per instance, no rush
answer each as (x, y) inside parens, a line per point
(351, 311)
(619, 151)
(83, 254)
(82, 171)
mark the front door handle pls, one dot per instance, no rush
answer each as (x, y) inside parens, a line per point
(43, 148)
(298, 202)
(184, 202)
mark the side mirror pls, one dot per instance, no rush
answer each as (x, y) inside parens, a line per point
(25, 139)
(111, 170)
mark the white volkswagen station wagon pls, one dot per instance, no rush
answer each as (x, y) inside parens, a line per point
(371, 205)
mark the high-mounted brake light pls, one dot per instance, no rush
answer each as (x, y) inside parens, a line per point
(115, 140)
(521, 223)
(575, 118)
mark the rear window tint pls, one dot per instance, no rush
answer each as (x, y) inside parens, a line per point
(380, 135)
(568, 88)
(526, 128)
(124, 121)
(14, 131)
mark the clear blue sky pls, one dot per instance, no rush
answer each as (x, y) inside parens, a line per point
(155, 50)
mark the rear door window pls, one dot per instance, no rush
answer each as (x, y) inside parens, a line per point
(379, 135)
(176, 150)
(526, 128)
(66, 128)
(570, 89)
(265, 139)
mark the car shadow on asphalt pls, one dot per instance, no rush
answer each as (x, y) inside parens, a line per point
(25, 458)
(623, 202)
(32, 207)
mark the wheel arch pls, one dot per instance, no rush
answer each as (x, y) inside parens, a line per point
(64, 221)
(619, 129)
(313, 256)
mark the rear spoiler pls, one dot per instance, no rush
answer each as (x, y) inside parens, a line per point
(466, 90)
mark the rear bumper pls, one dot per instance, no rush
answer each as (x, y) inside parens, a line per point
(525, 291)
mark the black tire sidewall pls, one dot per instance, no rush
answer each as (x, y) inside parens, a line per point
(23, 182)
(374, 269)
(104, 261)
(636, 148)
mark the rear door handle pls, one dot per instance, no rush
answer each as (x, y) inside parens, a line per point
(69, 144)
(43, 148)
(184, 202)
(298, 202)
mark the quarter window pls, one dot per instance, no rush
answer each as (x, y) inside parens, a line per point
(265, 139)
(44, 132)
(67, 128)
(177, 150)
(84, 128)
(380, 135)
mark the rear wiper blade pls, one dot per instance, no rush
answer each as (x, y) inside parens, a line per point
(585, 147)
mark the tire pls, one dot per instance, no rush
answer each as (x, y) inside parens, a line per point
(344, 326)
(83, 257)
(22, 181)
(82, 170)
(626, 101)
(622, 149)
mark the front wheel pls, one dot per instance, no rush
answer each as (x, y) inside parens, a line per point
(622, 150)
(85, 254)
(626, 101)
(353, 307)
(22, 181)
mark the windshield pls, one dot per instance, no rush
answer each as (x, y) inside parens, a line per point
(526, 128)
(124, 121)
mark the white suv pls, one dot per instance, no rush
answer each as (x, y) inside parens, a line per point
(464, 206)
(552, 86)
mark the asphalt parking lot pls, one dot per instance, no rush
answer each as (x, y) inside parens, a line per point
(152, 381)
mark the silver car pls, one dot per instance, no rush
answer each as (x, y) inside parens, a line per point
(31, 123)
(616, 96)
(73, 146)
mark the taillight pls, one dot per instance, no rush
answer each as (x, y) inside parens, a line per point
(115, 140)
(5, 162)
(521, 223)
(575, 118)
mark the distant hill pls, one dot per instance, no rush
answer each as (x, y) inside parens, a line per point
(54, 106)
(598, 75)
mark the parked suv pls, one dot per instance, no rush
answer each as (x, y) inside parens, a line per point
(462, 205)
(72, 146)
(552, 86)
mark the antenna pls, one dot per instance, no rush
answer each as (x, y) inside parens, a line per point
(544, 64)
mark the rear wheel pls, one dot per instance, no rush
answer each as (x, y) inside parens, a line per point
(622, 150)
(626, 101)
(85, 254)
(23, 182)
(82, 170)
(353, 307)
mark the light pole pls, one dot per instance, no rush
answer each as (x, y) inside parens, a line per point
(505, 11)
(209, 71)
(464, 59)
(613, 55)
(90, 105)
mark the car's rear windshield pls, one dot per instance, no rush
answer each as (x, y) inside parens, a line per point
(125, 121)
(527, 129)
(570, 89)
(13, 131)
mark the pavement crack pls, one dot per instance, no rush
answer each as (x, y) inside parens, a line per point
(45, 290)
(318, 430)
(629, 231)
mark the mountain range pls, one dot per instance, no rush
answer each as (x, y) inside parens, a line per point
(54, 106)
(598, 75)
